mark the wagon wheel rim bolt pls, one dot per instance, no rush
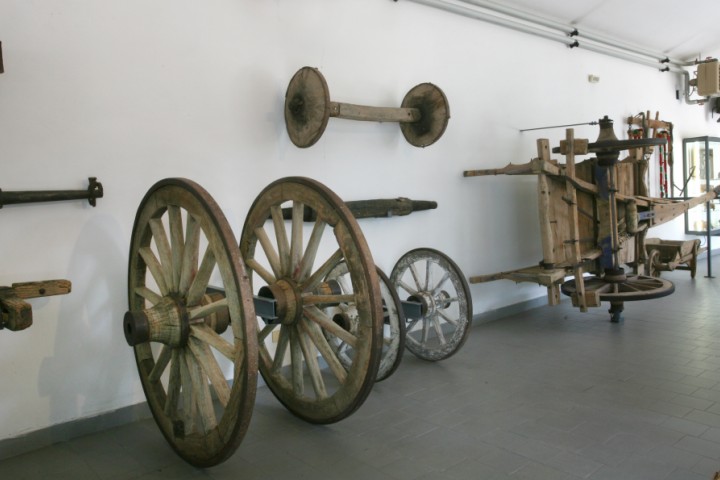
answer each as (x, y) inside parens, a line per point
(165, 322)
(423, 115)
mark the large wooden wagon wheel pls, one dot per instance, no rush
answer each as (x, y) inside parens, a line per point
(346, 315)
(181, 243)
(301, 369)
(431, 278)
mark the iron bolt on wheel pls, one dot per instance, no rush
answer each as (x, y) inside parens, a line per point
(181, 242)
(431, 278)
(346, 315)
(296, 360)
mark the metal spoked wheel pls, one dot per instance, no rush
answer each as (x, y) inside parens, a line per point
(346, 315)
(431, 278)
(181, 244)
(290, 265)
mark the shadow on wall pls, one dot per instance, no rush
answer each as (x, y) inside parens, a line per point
(92, 365)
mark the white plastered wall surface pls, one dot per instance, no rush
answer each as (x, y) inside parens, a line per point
(135, 91)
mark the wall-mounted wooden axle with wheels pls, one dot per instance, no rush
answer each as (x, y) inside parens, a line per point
(192, 314)
(423, 114)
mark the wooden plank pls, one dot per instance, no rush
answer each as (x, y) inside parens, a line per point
(44, 288)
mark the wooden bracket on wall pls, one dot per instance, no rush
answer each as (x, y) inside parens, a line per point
(15, 312)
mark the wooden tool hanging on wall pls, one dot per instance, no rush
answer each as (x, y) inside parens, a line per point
(423, 114)
(15, 312)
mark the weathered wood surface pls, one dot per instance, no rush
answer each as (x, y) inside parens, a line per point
(376, 208)
(93, 192)
(16, 312)
(423, 114)
(350, 111)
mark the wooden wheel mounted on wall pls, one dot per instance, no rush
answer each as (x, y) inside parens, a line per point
(290, 264)
(181, 243)
(431, 278)
(346, 315)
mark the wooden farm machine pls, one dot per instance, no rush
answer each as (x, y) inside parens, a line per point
(593, 220)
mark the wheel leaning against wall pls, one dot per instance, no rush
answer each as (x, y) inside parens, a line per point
(430, 277)
(181, 242)
(287, 263)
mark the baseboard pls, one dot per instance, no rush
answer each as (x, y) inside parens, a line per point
(509, 310)
(12, 447)
(62, 432)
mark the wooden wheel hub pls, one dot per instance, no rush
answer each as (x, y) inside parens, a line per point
(165, 322)
(289, 306)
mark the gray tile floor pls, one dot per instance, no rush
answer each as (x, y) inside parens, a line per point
(549, 394)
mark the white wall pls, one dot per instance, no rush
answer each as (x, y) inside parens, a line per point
(135, 91)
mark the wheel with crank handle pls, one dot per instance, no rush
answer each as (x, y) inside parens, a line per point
(290, 264)
(619, 288)
(346, 315)
(181, 244)
(431, 278)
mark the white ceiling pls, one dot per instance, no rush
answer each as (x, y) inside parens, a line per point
(680, 29)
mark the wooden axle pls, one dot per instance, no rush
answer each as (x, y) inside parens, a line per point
(423, 114)
(93, 192)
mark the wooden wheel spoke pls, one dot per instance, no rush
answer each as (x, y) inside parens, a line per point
(296, 238)
(411, 325)
(174, 384)
(318, 316)
(308, 259)
(191, 253)
(416, 278)
(201, 390)
(163, 248)
(425, 330)
(267, 330)
(149, 295)
(428, 275)
(442, 281)
(451, 321)
(206, 334)
(281, 350)
(407, 288)
(296, 364)
(282, 239)
(260, 270)
(188, 400)
(438, 330)
(313, 331)
(155, 269)
(312, 364)
(269, 249)
(202, 278)
(310, 299)
(209, 365)
(177, 243)
(160, 364)
(202, 311)
(322, 272)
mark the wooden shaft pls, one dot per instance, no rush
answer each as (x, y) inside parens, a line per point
(374, 114)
